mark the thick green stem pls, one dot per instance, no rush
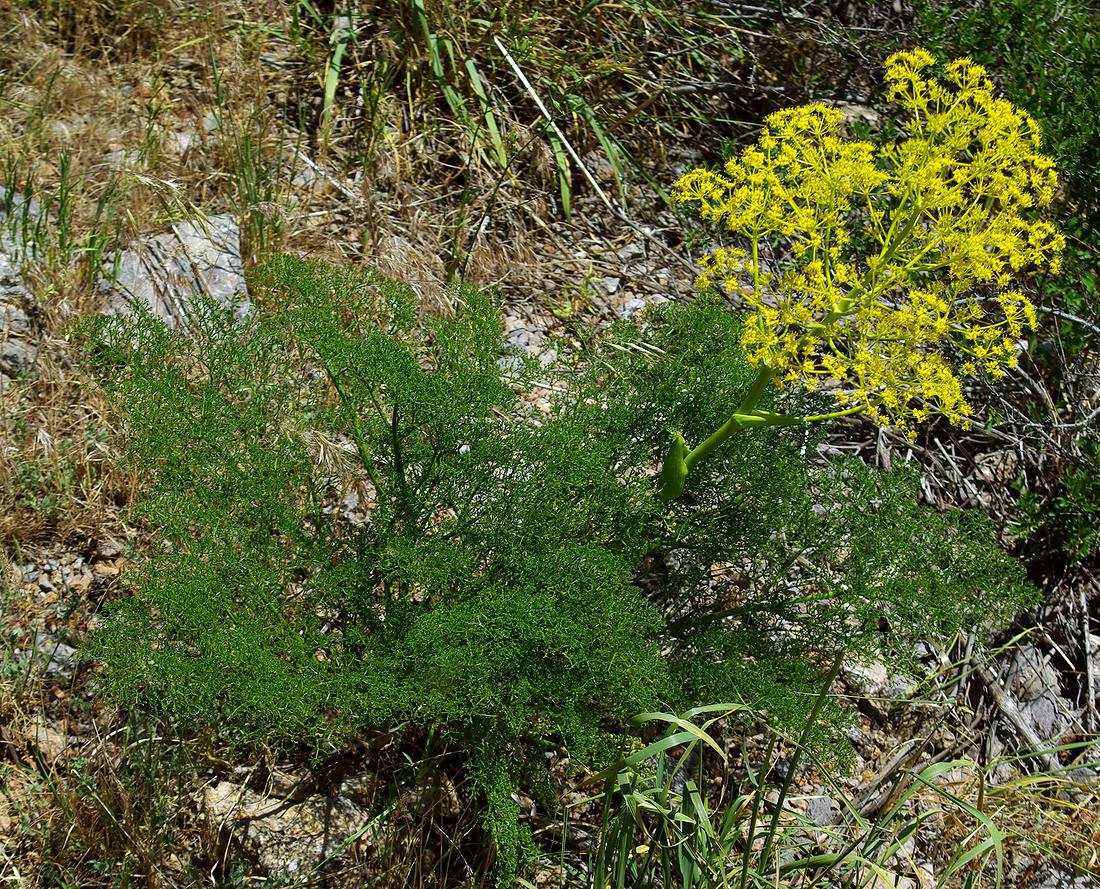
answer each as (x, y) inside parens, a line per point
(679, 461)
(735, 423)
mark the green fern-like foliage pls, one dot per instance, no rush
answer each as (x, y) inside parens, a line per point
(364, 521)
(781, 556)
(486, 588)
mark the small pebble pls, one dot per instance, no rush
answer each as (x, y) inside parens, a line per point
(108, 549)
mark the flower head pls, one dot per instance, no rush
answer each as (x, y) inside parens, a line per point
(885, 274)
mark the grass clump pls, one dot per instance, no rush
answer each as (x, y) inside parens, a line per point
(364, 520)
(664, 823)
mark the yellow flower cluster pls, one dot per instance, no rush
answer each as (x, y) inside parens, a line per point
(884, 274)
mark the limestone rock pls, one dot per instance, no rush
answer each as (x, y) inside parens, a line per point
(50, 743)
(50, 657)
(284, 839)
(18, 346)
(18, 338)
(166, 272)
(1035, 685)
(1051, 876)
(876, 685)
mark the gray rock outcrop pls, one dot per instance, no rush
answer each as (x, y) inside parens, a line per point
(166, 272)
(18, 336)
(287, 840)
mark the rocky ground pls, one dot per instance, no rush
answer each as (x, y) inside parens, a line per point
(1024, 705)
(998, 705)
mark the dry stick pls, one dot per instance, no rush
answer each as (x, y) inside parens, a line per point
(550, 120)
(1009, 708)
(876, 797)
(873, 795)
(1058, 313)
(615, 211)
(1043, 635)
(1090, 676)
(955, 686)
(339, 184)
(1085, 421)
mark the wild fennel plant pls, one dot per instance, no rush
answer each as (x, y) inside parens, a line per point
(362, 522)
(882, 275)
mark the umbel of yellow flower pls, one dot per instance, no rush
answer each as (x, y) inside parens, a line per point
(880, 274)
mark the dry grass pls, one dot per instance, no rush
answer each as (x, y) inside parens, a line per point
(1044, 818)
(107, 88)
(161, 109)
(59, 473)
(98, 808)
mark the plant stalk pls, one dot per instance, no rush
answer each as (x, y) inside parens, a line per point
(679, 461)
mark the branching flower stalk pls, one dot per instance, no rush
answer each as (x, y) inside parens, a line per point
(880, 275)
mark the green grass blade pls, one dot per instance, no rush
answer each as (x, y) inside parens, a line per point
(332, 81)
(491, 127)
(686, 726)
(564, 175)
